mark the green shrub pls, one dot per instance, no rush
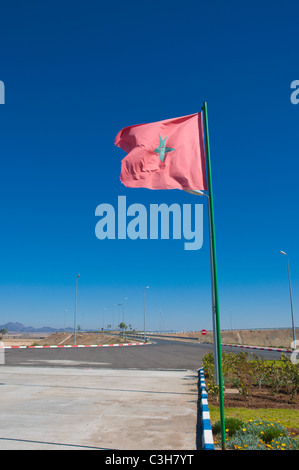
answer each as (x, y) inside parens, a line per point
(257, 435)
(262, 435)
(266, 430)
(285, 443)
(245, 441)
(232, 425)
(208, 365)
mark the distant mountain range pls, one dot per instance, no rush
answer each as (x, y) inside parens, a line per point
(16, 327)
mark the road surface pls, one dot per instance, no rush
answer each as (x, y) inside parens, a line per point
(130, 397)
(161, 354)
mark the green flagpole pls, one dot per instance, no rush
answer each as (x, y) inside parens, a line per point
(216, 299)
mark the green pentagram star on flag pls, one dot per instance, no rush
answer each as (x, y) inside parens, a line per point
(161, 150)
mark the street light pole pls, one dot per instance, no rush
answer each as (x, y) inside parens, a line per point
(147, 287)
(103, 319)
(114, 305)
(126, 298)
(76, 309)
(119, 313)
(291, 301)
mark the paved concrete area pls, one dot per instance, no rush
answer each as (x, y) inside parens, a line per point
(80, 408)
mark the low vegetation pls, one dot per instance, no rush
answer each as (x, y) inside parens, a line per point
(261, 402)
(257, 435)
(276, 377)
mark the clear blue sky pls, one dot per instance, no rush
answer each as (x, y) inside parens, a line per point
(75, 73)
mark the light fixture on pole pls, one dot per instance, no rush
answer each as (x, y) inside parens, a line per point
(75, 308)
(291, 301)
(147, 287)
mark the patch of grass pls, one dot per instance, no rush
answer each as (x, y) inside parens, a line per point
(275, 362)
(288, 418)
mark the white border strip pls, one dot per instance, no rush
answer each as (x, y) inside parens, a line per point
(207, 442)
(75, 346)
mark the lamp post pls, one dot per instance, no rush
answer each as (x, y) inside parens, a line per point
(291, 301)
(114, 305)
(126, 298)
(147, 287)
(103, 319)
(66, 310)
(119, 313)
(76, 309)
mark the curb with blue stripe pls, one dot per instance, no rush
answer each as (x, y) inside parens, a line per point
(207, 442)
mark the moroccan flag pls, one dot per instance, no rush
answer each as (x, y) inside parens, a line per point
(166, 154)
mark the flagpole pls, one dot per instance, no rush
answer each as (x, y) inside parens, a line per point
(197, 192)
(216, 373)
(214, 272)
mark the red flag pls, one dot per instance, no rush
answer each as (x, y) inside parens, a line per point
(166, 154)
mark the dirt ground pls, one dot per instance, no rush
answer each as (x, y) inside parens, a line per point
(266, 338)
(56, 339)
(256, 399)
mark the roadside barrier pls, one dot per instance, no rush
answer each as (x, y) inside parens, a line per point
(75, 346)
(262, 348)
(207, 442)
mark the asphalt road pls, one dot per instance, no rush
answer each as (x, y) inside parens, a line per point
(162, 354)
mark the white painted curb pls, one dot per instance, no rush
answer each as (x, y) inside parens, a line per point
(207, 442)
(76, 346)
